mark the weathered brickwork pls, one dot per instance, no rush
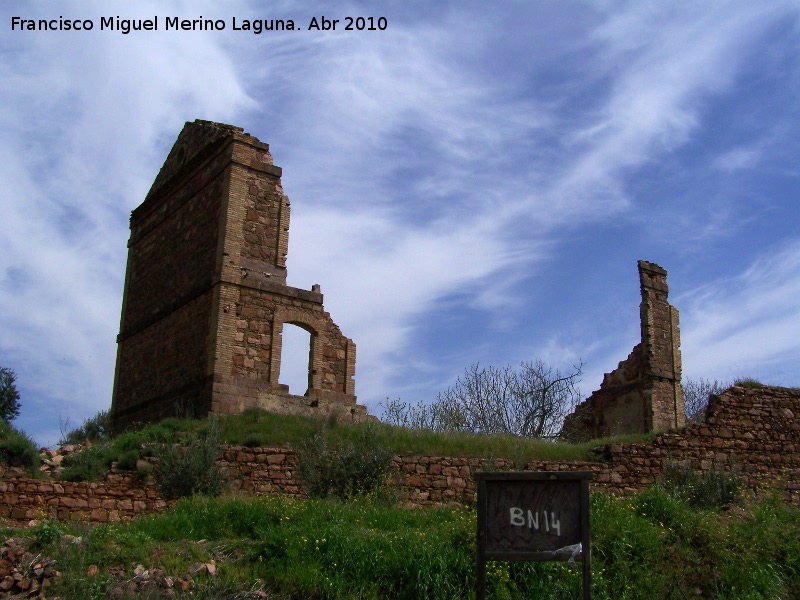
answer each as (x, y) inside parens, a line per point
(206, 296)
(644, 392)
(754, 432)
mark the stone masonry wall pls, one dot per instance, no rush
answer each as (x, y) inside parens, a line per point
(119, 497)
(755, 432)
(163, 352)
(644, 393)
(662, 346)
(206, 297)
(249, 363)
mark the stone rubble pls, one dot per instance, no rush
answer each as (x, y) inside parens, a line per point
(24, 574)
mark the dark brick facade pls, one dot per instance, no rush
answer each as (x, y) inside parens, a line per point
(206, 296)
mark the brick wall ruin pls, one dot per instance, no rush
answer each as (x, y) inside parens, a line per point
(754, 432)
(644, 392)
(206, 298)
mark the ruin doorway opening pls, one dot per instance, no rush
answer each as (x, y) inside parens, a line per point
(296, 359)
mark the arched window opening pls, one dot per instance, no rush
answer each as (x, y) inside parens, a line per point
(295, 351)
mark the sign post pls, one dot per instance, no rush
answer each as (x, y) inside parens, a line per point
(534, 516)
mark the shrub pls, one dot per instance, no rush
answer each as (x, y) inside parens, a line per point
(45, 533)
(253, 415)
(16, 448)
(253, 440)
(128, 441)
(714, 489)
(128, 459)
(530, 402)
(360, 466)
(9, 396)
(191, 468)
(90, 464)
(749, 383)
(94, 429)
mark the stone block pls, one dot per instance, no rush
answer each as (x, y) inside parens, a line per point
(99, 515)
(414, 481)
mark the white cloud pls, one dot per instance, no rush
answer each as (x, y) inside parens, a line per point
(745, 322)
(737, 159)
(662, 62)
(85, 120)
(382, 269)
(378, 275)
(439, 163)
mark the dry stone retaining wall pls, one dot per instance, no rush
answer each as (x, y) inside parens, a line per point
(119, 497)
(755, 432)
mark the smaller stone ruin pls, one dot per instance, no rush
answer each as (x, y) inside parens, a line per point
(644, 393)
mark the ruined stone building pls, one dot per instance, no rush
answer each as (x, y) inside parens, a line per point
(206, 298)
(644, 393)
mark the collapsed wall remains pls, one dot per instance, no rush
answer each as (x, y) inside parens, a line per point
(644, 392)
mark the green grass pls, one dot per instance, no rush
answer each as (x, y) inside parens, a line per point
(649, 546)
(749, 383)
(17, 449)
(754, 384)
(258, 428)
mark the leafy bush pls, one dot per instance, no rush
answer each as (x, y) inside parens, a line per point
(94, 429)
(93, 462)
(90, 464)
(714, 489)
(16, 448)
(254, 415)
(9, 396)
(253, 440)
(356, 467)
(127, 460)
(47, 532)
(191, 468)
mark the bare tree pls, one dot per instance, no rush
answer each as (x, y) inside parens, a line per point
(529, 402)
(696, 394)
(545, 396)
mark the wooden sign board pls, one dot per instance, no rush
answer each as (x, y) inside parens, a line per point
(533, 516)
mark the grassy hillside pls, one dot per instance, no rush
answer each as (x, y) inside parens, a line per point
(258, 428)
(653, 545)
(683, 540)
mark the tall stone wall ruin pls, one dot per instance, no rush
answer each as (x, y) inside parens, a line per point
(644, 392)
(206, 298)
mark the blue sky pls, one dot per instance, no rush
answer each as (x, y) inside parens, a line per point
(473, 184)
